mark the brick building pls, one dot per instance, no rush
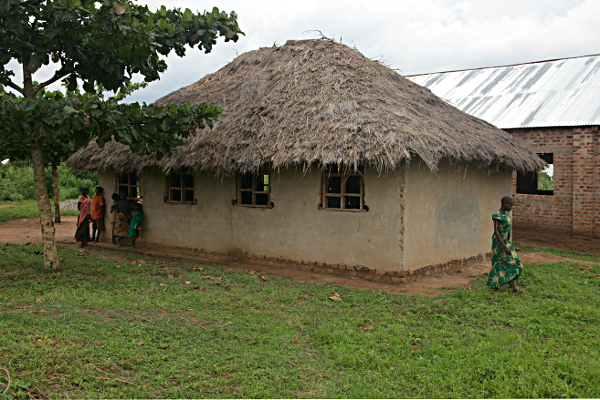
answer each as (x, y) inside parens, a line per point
(552, 108)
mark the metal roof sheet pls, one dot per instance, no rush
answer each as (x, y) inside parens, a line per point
(564, 92)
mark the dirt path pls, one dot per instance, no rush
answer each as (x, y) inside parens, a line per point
(28, 230)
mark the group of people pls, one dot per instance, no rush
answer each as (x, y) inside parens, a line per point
(124, 224)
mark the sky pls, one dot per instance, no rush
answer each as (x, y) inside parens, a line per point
(411, 36)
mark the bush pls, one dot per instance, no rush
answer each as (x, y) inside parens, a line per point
(16, 181)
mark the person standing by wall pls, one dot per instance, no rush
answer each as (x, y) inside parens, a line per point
(82, 234)
(506, 264)
(135, 226)
(123, 207)
(98, 210)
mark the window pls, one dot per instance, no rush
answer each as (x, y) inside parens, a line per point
(343, 190)
(181, 188)
(254, 190)
(542, 182)
(129, 184)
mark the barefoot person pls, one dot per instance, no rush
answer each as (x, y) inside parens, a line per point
(136, 223)
(98, 210)
(82, 234)
(506, 265)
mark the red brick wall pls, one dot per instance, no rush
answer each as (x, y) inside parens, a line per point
(575, 206)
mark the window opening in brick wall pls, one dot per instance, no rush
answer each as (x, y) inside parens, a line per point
(254, 189)
(343, 190)
(181, 187)
(542, 182)
(129, 184)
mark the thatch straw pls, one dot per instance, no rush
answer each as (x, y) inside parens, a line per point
(319, 102)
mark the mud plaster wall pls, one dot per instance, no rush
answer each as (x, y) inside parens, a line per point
(448, 213)
(574, 206)
(294, 229)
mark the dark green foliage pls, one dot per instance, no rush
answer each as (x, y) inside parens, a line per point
(175, 331)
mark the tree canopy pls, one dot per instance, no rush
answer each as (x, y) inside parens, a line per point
(96, 43)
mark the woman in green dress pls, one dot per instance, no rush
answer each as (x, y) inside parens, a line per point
(506, 265)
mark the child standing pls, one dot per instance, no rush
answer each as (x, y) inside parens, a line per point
(136, 223)
(98, 210)
(113, 211)
(82, 234)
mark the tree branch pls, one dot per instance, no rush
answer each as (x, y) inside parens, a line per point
(17, 88)
(57, 75)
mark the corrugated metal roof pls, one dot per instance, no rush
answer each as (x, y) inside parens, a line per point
(564, 92)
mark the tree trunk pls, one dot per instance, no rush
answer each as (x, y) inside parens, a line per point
(41, 193)
(56, 198)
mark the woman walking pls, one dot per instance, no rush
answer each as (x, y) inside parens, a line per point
(506, 264)
(82, 234)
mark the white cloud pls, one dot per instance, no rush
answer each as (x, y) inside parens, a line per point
(414, 36)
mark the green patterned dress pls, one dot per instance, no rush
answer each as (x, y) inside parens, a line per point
(506, 269)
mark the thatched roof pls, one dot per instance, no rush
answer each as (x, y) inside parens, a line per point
(317, 101)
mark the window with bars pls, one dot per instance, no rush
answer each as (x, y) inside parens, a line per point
(254, 190)
(343, 190)
(180, 188)
(129, 184)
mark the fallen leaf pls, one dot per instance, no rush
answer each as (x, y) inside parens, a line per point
(169, 276)
(188, 309)
(39, 300)
(336, 297)
(597, 274)
(206, 276)
(251, 271)
(128, 291)
(118, 265)
(60, 259)
(296, 340)
(141, 262)
(264, 278)
(164, 290)
(360, 324)
(161, 284)
(40, 312)
(200, 288)
(586, 271)
(187, 282)
(197, 269)
(19, 307)
(581, 268)
(369, 329)
(417, 347)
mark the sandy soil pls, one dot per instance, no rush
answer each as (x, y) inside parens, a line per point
(28, 230)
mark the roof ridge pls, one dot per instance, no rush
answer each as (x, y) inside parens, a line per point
(503, 66)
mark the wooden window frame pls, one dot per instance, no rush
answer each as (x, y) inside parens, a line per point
(334, 171)
(129, 185)
(264, 171)
(182, 188)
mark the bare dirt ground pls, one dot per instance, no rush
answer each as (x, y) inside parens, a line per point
(28, 230)
(559, 240)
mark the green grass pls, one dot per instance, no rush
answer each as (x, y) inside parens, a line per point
(135, 328)
(25, 209)
(559, 252)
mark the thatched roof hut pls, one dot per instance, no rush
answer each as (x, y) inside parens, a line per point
(319, 102)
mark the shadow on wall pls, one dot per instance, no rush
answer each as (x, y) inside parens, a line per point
(457, 224)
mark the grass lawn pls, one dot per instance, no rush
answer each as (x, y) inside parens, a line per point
(26, 209)
(142, 328)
